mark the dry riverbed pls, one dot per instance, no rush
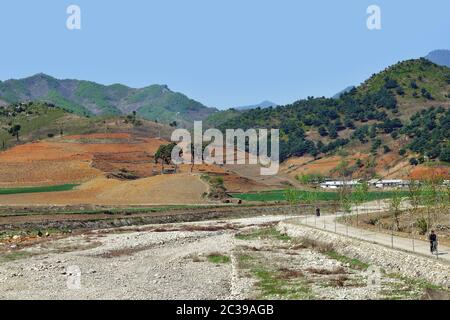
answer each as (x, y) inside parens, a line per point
(233, 259)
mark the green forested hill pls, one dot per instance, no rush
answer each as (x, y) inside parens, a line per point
(381, 110)
(156, 102)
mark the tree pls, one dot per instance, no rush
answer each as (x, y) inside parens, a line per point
(429, 198)
(323, 131)
(413, 162)
(333, 133)
(164, 154)
(15, 130)
(445, 154)
(395, 203)
(360, 196)
(345, 196)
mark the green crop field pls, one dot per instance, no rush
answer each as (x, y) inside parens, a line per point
(64, 187)
(279, 195)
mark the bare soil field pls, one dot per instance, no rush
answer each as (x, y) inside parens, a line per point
(157, 190)
(75, 159)
(92, 158)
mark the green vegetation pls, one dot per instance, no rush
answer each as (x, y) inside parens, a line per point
(57, 99)
(280, 195)
(89, 98)
(115, 211)
(430, 134)
(217, 258)
(401, 287)
(381, 100)
(58, 188)
(281, 285)
(310, 178)
(17, 121)
(353, 263)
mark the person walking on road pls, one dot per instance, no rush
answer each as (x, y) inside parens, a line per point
(433, 241)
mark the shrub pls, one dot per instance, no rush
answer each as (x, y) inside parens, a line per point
(422, 224)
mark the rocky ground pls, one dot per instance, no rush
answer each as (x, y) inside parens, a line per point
(230, 259)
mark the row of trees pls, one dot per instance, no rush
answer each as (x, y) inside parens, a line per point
(423, 205)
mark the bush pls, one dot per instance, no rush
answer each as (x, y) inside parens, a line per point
(422, 224)
(413, 162)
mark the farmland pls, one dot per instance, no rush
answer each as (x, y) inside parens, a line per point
(280, 195)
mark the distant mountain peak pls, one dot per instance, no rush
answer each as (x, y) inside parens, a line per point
(263, 105)
(440, 57)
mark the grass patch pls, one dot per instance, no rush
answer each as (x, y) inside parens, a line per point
(263, 233)
(115, 211)
(415, 282)
(286, 285)
(353, 263)
(217, 258)
(280, 195)
(58, 188)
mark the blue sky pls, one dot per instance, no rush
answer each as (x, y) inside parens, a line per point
(223, 53)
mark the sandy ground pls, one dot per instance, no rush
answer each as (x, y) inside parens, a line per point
(167, 189)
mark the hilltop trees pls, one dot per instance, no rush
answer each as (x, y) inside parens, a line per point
(430, 133)
(366, 113)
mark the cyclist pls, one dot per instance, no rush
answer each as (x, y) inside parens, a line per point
(433, 241)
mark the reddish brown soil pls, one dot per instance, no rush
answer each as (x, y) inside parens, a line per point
(76, 159)
(421, 173)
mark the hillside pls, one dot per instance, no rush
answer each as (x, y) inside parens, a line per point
(156, 102)
(33, 121)
(389, 119)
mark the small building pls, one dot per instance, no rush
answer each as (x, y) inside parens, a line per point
(337, 184)
(392, 183)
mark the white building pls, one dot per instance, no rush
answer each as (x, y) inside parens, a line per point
(393, 183)
(337, 184)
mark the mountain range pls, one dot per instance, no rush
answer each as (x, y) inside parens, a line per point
(155, 102)
(396, 119)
